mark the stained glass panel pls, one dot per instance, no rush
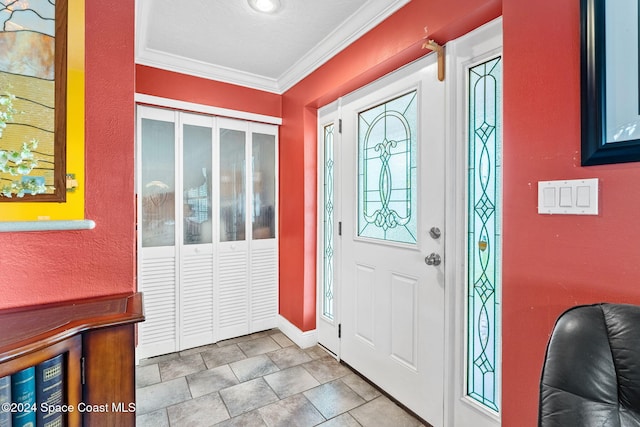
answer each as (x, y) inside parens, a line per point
(387, 173)
(327, 256)
(484, 231)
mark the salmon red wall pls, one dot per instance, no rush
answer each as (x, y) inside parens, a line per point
(552, 262)
(182, 87)
(395, 42)
(39, 267)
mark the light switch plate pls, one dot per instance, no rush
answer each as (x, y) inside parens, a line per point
(568, 197)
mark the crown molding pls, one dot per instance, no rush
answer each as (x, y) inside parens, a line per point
(361, 22)
(365, 19)
(179, 64)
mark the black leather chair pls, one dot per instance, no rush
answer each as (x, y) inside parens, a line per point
(591, 372)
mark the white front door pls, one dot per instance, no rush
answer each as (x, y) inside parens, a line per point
(392, 214)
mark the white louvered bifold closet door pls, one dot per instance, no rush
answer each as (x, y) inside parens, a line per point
(208, 251)
(263, 251)
(196, 226)
(157, 256)
(233, 248)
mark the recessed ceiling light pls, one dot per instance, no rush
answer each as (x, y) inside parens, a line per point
(265, 6)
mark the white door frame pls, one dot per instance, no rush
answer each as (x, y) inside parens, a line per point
(477, 46)
(327, 329)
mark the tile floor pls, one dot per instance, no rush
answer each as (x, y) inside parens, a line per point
(262, 379)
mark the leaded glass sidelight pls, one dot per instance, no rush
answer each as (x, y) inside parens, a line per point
(327, 254)
(387, 173)
(484, 230)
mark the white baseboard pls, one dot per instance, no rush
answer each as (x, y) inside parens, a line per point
(302, 339)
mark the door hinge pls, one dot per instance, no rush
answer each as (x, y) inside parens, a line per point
(339, 125)
(339, 330)
(82, 377)
(340, 228)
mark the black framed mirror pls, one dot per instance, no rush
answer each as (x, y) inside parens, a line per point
(610, 72)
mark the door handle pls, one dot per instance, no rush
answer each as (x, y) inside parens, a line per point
(433, 259)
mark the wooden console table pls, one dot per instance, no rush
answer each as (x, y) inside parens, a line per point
(97, 336)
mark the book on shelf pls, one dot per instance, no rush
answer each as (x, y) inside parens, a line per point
(5, 400)
(23, 398)
(50, 392)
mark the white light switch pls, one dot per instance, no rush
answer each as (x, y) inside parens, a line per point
(549, 197)
(565, 197)
(569, 197)
(582, 197)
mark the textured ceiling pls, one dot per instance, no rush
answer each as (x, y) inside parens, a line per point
(227, 40)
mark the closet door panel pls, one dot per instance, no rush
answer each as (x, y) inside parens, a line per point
(232, 299)
(157, 254)
(263, 283)
(196, 248)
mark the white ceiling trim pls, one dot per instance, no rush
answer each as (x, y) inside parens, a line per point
(361, 22)
(179, 64)
(365, 19)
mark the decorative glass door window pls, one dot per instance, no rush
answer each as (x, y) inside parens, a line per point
(484, 230)
(327, 255)
(387, 174)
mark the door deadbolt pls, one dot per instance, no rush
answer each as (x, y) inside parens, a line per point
(435, 233)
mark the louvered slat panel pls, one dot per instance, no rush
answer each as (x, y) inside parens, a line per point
(158, 281)
(197, 298)
(232, 289)
(264, 286)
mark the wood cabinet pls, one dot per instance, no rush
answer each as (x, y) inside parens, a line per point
(97, 337)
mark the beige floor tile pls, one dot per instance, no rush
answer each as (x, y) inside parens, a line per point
(247, 396)
(258, 346)
(333, 399)
(203, 411)
(161, 395)
(211, 380)
(382, 412)
(223, 355)
(292, 411)
(181, 367)
(291, 381)
(254, 367)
